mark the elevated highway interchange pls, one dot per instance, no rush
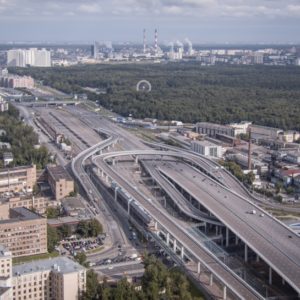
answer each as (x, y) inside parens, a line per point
(224, 203)
(259, 233)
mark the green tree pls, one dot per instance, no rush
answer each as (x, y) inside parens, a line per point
(53, 238)
(81, 259)
(53, 212)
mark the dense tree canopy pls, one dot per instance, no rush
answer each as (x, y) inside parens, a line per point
(267, 95)
(158, 283)
(22, 139)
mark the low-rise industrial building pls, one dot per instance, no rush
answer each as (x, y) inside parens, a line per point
(240, 128)
(17, 179)
(264, 133)
(60, 181)
(212, 129)
(48, 279)
(206, 148)
(24, 232)
(293, 157)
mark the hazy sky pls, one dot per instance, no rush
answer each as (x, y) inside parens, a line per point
(203, 21)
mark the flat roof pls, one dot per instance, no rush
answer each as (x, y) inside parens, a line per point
(206, 143)
(214, 125)
(60, 264)
(59, 172)
(21, 214)
(16, 169)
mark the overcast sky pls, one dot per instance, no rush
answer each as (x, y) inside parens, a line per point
(202, 21)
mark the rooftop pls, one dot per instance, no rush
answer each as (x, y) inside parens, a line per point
(11, 170)
(205, 143)
(21, 214)
(59, 172)
(213, 125)
(63, 265)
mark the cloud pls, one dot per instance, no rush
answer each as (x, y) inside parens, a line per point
(90, 8)
(149, 8)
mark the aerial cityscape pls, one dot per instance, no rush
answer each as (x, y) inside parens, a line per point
(150, 150)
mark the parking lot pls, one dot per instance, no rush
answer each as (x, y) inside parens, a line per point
(73, 246)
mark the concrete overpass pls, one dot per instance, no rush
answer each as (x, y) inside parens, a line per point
(272, 241)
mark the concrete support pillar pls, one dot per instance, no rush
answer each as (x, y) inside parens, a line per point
(257, 258)
(136, 159)
(128, 206)
(211, 279)
(155, 225)
(246, 253)
(270, 276)
(205, 227)
(236, 240)
(168, 238)
(182, 253)
(116, 194)
(174, 245)
(101, 172)
(113, 161)
(199, 267)
(217, 229)
(224, 292)
(190, 197)
(106, 178)
(227, 236)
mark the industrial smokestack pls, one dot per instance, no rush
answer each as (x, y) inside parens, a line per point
(144, 41)
(156, 42)
(249, 152)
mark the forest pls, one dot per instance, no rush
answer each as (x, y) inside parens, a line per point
(22, 139)
(187, 91)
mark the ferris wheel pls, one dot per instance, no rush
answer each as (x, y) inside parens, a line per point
(143, 86)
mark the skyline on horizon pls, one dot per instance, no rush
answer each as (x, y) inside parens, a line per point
(202, 21)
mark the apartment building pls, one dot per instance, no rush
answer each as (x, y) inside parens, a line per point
(5, 273)
(48, 279)
(24, 232)
(17, 179)
(60, 181)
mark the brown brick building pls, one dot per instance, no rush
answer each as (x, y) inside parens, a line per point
(24, 233)
(60, 181)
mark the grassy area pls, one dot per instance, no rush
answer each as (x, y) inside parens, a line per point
(20, 260)
(95, 250)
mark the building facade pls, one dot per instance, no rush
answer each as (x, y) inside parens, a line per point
(17, 179)
(28, 57)
(60, 181)
(14, 81)
(24, 233)
(38, 204)
(48, 279)
(264, 133)
(212, 129)
(206, 148)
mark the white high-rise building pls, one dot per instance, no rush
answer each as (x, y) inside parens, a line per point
(16, 58)
(32, 57)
